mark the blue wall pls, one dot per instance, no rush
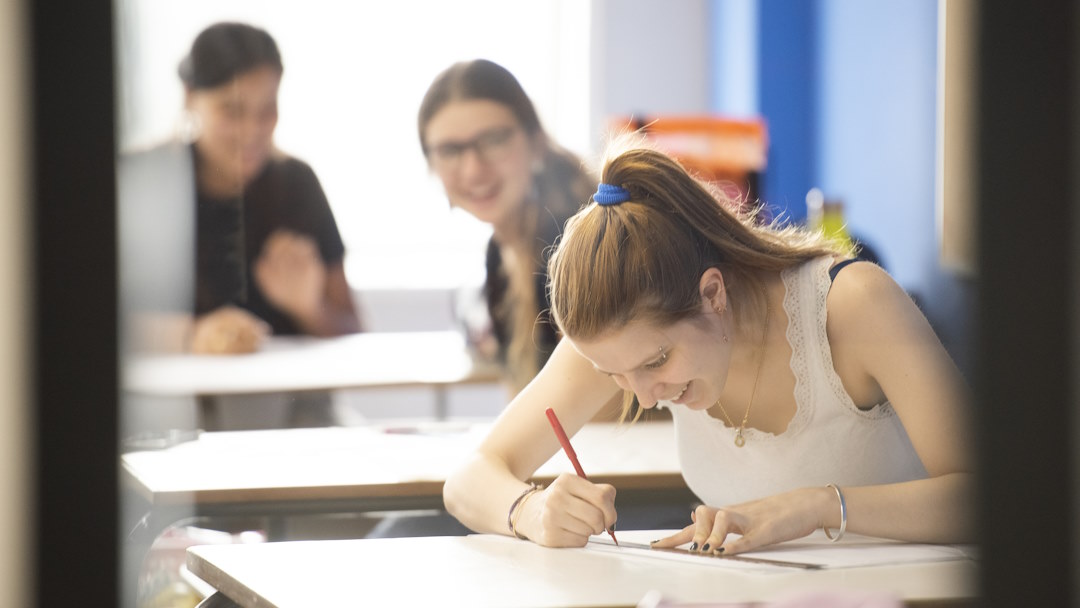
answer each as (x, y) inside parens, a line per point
(849, 92)
(787, 93)
(877, 118)
(848, 89)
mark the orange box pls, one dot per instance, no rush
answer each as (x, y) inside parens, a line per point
(715, 148)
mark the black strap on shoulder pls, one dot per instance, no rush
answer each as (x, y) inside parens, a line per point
(835, 270)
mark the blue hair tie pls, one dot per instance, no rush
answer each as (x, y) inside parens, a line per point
(606, 194)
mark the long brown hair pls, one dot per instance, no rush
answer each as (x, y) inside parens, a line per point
(561, 186)
(643, 259)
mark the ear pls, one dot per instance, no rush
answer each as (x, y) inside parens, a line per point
(713, 291)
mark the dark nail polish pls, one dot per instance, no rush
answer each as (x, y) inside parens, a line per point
(612, 528)
(653, 542)
(693, 546)
(706, 547)
(718, 550)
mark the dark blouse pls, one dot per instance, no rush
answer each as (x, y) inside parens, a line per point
(496, 285)
(231, 234)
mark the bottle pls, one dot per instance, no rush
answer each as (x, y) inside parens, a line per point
(827, 216)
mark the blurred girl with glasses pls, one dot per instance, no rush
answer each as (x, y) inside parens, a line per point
(482, 137)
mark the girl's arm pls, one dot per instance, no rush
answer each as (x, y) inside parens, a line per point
(338, 315)
(881, 340)
(480, 492)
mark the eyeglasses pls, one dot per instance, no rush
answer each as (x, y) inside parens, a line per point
(491, 146)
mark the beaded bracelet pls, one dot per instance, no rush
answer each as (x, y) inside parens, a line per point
(510, 519)
(843, 515)
(517, 513)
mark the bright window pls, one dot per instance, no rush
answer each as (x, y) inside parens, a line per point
(355, 73)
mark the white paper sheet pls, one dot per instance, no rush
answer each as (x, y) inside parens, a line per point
(814, 551)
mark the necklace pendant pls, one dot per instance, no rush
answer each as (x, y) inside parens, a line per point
(739, 441)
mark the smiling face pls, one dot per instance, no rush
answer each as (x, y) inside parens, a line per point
(483, 157)
(685, 363)
(237, 121)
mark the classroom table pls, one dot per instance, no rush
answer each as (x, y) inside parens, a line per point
(491, 570)
(373, 468)
(436, 359)
(386, 467)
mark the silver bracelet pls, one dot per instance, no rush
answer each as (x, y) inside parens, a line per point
(843, 515)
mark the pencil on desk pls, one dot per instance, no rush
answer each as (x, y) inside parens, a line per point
(569, 449)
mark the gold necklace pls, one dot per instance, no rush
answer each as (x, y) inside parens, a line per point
(739, 440)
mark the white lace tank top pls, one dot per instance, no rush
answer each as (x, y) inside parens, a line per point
(829, 440)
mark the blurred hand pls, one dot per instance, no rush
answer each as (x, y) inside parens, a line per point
(760, 522)
(291, 274)
(568, 512)
(483, 344)
(228, 331)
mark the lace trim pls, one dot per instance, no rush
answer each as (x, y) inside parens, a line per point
(806, 319)
(821, 284)
(803, 403)
(796, 337)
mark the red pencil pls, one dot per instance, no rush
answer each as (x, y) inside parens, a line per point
(569, 449)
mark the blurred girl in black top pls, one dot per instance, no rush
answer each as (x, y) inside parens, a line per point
(268, 254)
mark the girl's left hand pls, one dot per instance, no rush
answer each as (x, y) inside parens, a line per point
(761, 522)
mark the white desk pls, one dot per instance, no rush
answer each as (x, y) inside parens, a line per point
(358, 469)
(375, 468)
(362, 360)
(478, 571)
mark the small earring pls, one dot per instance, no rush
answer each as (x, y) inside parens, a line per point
(189, 127)
(720, 312)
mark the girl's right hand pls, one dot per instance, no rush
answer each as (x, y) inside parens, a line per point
(568, 512)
